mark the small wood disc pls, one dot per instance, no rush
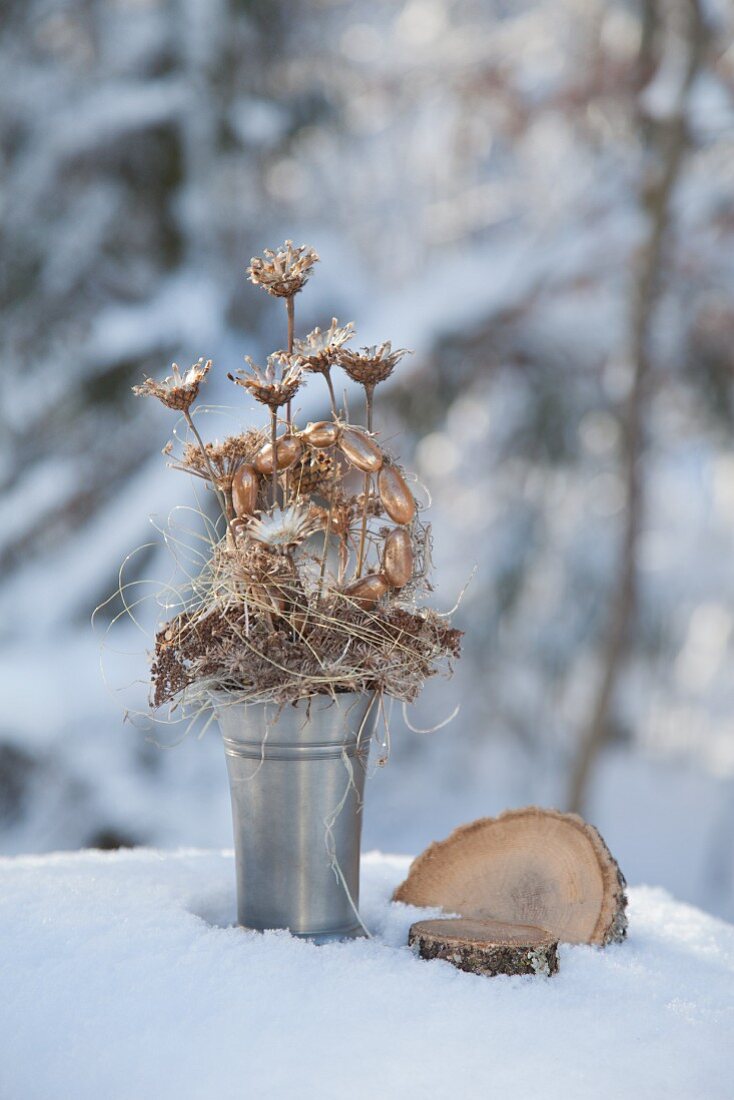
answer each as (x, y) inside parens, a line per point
(529, 866)
(486, 947)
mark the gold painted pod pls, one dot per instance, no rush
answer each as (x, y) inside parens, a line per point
(321, 434)
(367, 590)
(360, 451)
(397, 558)
(395, 495)
(245, 488)
(288, 451)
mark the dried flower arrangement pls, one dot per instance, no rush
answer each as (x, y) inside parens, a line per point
(312, 580)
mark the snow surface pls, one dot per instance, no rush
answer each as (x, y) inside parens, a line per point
(122, 976)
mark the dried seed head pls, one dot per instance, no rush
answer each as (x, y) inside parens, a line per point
(177, 391)
(320, 350)
(261, 572)
(341, 516)
(371, 365)
(283, 272)
(313, 474)
(273, 385)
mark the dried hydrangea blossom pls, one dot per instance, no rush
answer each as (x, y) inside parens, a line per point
(273, 385)
(283, 272)
(177, 391)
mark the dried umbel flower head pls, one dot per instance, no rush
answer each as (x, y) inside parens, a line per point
(281, 528)
(371, 365)
(283, 272)
(274, 384)
(178, 391)
(320, 350)
(222, 458)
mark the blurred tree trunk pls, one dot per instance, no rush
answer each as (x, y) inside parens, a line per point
(202, 44)
(668, 32)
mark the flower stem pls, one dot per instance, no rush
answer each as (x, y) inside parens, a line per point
(332, 395)
(274, 445)
(369, 391)
(368, 395)
(220, 496)
(327, 531)
(290, 307)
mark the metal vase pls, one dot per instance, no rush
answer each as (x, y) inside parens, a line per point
(296, 776)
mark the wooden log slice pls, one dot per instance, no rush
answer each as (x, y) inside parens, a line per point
(530, 866)
(486, 947)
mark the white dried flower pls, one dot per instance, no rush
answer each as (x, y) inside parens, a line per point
(284, 527)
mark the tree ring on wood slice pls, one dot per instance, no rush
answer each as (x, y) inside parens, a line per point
(486, 947)
(531, 866)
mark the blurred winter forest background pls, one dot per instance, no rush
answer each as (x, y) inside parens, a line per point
(537, 197)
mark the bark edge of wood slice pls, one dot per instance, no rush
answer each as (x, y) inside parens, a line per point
(529, 866)
(486, 947)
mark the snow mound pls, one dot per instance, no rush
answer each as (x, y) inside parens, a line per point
(122, 976)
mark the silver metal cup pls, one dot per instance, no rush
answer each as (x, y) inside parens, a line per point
(296, 777)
